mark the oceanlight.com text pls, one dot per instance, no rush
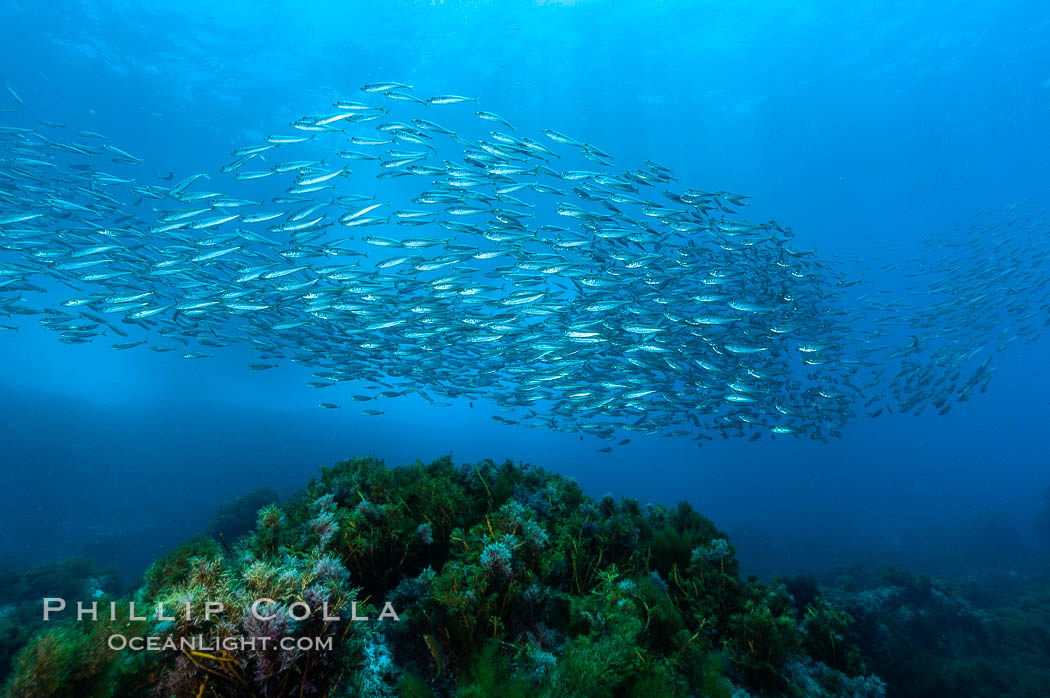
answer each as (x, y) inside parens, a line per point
(200, 643)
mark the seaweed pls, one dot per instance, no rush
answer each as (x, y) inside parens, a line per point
(238, 516)
(23, 589)
(506, 579)
(988, 634)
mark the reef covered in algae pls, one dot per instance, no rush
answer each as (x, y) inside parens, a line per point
(485, 579)
(505, 579)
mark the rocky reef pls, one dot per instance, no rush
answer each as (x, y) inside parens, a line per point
(22, 589)
(984, 634)
(504, 580)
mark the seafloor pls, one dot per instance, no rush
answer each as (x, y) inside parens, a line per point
(508, 580)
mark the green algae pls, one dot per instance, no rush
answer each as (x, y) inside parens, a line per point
(507, 580)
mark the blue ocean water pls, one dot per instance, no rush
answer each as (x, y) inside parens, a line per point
(860, 125)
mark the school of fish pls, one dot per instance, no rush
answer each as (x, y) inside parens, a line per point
(419, 245)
